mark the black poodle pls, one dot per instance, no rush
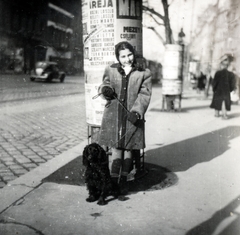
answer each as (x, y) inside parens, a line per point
(97, 175)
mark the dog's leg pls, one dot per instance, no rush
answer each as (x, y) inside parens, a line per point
(101, 200)
(93, 194)
(104, 193)
(91, 198)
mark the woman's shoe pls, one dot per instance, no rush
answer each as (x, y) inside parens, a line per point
(224, 117)
(123, 185)
(217, 113)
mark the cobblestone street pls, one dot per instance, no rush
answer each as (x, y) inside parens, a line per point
(38, 129)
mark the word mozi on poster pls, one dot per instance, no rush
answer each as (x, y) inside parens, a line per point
(132, 29)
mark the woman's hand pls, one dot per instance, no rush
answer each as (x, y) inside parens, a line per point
(133, 117)
(108, 92)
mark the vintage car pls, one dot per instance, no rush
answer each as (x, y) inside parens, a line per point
(45, 70)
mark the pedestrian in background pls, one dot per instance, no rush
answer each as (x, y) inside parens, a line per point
(127, 87)
(201, 82)
(223, 84)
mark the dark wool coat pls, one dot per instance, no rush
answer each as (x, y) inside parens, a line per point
(134, 92)
(223, 84)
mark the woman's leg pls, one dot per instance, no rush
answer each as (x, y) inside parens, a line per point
(126, 168)
(216, 113)
(224, 110)
(127, 163)
(115, 163)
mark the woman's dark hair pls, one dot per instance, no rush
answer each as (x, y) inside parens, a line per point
(122, 46)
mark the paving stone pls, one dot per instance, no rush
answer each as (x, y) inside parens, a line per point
(39, 160)
(10, 163)
(20, 171)
(43, 154)
(9, 172)
(3, 171)
(27, 154)
(23, 160)
(5, 155)
(33, 157)
(14, 153)
(13, 167)
(48, 157)
(9, 178)
(11, 149)
(20, 146)
(2, 184)
(2, 166)
(30, 165)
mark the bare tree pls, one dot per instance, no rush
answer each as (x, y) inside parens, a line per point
(160, 19)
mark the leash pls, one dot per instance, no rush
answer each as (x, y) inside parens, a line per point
(115, 96)
(123, 137)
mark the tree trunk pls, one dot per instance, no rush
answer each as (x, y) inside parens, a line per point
(168, 30)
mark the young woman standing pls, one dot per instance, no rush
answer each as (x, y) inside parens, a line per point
(128, 89)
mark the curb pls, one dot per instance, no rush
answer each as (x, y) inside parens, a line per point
(26, 183)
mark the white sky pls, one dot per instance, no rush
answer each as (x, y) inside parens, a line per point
(183, 14)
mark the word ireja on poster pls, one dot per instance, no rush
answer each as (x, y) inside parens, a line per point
(101, 3)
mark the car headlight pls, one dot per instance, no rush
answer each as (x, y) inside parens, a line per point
(39, 71)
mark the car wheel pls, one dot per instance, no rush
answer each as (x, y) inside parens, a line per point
(49, 78)
(62, 78)
(32, 79)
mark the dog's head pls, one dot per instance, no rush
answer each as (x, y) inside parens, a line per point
(94, 154)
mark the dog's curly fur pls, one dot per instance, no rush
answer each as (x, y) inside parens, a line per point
(97, 174)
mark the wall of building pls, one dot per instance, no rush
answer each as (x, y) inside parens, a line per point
(217, 33)
(40, 30)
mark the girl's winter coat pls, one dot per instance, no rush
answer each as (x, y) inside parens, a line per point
(134, 92)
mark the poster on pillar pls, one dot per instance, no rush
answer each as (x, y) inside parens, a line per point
(172, 61)
(171, 83)
(129, 24)
(105, 23)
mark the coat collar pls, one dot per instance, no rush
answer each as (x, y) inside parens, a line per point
(135, 67)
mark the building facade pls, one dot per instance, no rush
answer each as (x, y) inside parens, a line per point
(217, 33)
(32, 31)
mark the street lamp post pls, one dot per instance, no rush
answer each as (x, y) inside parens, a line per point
(181, 36)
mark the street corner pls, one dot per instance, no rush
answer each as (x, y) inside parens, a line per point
(9, 227)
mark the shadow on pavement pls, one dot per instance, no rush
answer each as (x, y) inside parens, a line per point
(185, 154)
(157, 177)
(175, 157)
(234, 115)
(183, 110)
(209, 226)
(72, 174)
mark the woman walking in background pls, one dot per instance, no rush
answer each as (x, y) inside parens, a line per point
(223, 84)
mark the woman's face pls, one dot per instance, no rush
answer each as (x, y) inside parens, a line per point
(126, 57)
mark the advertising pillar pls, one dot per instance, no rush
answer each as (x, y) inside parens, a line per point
(172, 81)
(106, 23)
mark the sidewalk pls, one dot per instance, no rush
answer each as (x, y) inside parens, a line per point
(192, 186)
